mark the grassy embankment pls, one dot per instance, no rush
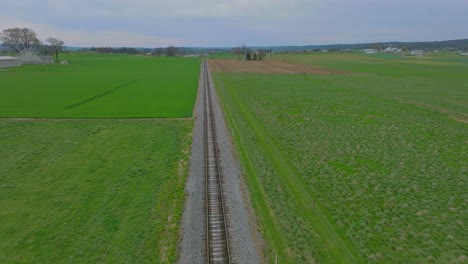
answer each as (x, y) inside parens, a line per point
(94, 190)
(381, 154)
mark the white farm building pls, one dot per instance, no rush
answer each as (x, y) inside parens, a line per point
(370, 51)
(417, 52)
(47, 59)
(7, 62)
(30, 57)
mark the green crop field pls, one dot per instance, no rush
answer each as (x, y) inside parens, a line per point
(111, 86)
(83, 180)
(369, 167)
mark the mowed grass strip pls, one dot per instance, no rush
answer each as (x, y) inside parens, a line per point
(101, 86)
(92, 191)
(382, 154)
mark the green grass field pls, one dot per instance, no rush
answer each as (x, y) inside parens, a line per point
(95, 190)
(367, 168)
(92, 191)
(111, 86)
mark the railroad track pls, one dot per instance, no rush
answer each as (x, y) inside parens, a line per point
(217, 242)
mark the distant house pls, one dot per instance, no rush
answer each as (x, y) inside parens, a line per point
(28, 56)
(464, 53)
(417, 52)
(47, 59)
(370, 51)
(8, 62)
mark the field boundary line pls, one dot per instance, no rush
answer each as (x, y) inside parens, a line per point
(80, 103)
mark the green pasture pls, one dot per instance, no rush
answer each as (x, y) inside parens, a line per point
(92, 191)
(368, 167)
(94, 86)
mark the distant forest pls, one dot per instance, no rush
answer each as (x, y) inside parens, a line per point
(449, 45)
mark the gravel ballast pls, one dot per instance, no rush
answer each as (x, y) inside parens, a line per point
(243, 235)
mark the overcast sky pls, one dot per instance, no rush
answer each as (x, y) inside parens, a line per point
(227, 23)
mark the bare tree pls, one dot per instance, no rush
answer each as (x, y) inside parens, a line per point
(44, 49)
(172, 51)
(238, 51)
(241, 51)
(19, 39)
(56, 44)
(261, 54)
(244, 49)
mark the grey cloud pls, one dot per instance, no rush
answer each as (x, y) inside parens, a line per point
(227, 23)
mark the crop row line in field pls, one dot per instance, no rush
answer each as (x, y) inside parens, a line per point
(106, 92)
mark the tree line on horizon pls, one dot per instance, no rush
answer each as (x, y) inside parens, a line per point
(170, 51)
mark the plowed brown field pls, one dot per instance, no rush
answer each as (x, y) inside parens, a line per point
(268, 67)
